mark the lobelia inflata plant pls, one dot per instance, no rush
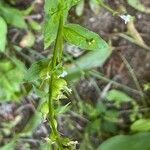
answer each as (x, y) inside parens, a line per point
(47, 75)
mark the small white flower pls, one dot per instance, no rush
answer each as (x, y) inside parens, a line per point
(73, 143)
(63, 74)
(126, 18)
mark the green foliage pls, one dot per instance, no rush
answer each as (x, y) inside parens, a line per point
(102, 119)
(51, 70)
(118, 96)
(88, 61)
(139, 6)
(94, 5)
(147, 86)
(63, 109)
(34, 25)
(44, 109)
(51, 21)
(3, 34)
(83, 38)
(12, 16)
(10, 85)
(44, 146)
(49, 77)
(9, 146)
(58, 85)
(80, 8)
(52, 14)
(38, 70)
(141, 125)
(127, 142)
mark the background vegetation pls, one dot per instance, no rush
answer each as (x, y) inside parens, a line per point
(95, 96)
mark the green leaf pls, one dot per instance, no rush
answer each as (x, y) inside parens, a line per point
(44, 109)
(45, 146)
(35, 25)
(80, 8)
(66, 5)
(94, 126)
(141, 125)
(126, 142)
(53, 9)
(40, 92)
(83, 38)
(9, 146)
(94, 5)
(38, 69)
(50, 6)
(51, 22)
(69, 3)
(72, 3)
(50, 30)
(87, 62)
(3, 34)
(118, 96)
(63, 109)
(12, 16)
(11, 73)
(139, 6)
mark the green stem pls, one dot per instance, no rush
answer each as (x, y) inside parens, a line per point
(61, 44)
(51, 114)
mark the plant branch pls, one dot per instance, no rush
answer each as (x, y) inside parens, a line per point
(51, 114)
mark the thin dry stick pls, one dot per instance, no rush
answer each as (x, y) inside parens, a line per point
(99, 76)
(132, 73)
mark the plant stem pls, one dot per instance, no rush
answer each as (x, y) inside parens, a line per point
(51, 114)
